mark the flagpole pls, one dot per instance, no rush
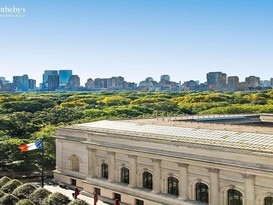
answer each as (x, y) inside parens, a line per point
(42, 163)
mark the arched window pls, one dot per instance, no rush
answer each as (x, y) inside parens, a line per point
(104, 170)
(75, 163)
(173, 186)
(124, 175)
(147, 180)
(202, 192)
(235, 197)
(268, 201)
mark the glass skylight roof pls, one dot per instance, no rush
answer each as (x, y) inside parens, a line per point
(223, 138)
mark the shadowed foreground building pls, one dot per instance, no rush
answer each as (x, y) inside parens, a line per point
(173, 161)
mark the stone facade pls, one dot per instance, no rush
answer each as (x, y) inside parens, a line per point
(97, 158)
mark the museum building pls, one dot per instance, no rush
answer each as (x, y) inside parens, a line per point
(215, 160)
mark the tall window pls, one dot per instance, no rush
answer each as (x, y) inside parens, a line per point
(268, 201)
(234, 197)
(147, 180)
(202, 192)
(104, 170)
(124, 175)
(75, 163)
(173, 185)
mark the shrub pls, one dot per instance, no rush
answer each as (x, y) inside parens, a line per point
(39, 195)
(10, 186)
(56, 199)
(24, 191)
(78, 202)
(25, 202)
(4, 180)
(8, 199)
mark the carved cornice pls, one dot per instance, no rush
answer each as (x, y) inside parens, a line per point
(111, 153)
(213, 170)
(180, 164)
(132, 156)
(91, 149)
(156, 160)
(248, 176)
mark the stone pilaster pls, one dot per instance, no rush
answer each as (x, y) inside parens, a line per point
(249, 189)
(91, 162)
(214, 186)
(156, 176)
(59, 155)
(133, 171)
(183, 181)
(112, 167)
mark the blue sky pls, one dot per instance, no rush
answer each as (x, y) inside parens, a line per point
(138, 38)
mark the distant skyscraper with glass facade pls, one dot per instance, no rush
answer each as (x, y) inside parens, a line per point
(64, 76)
(46, 75)
(21, 82)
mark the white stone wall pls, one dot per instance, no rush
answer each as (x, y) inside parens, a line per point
(219, 169)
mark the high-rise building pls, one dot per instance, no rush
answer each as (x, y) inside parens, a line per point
(17, 82)
(216, 80)
(4, 81)
(271, 81)
(252, 81)
(89, 84)
(117, 82)
(45, 77)
(190, 85)
(21, 82)
(165, 78)
(265, 83)
(233, 83)
(31, 84)
(25, 85)
(64, 76)
(74, 82)
(53, 82)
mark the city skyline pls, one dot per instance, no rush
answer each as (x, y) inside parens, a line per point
(136, 39)
(65, 80)
(86, 77)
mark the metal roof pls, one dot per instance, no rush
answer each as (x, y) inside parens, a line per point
(220, 138)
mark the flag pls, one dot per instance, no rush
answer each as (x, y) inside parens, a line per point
(31, 146)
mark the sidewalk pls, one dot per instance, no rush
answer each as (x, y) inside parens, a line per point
(68, 193)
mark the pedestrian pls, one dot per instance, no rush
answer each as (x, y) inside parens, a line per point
(116, 202)
(76, 193)
(95, 198)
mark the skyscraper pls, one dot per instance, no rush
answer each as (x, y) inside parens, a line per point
(252, 81)
(89, 84)
(21, 82)
(45, 77)
(233, 83)
(53, 82)
(31, 84)
(165, 78)
(74, 82)
(216, 80)
(64, 76)
(25, 85)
